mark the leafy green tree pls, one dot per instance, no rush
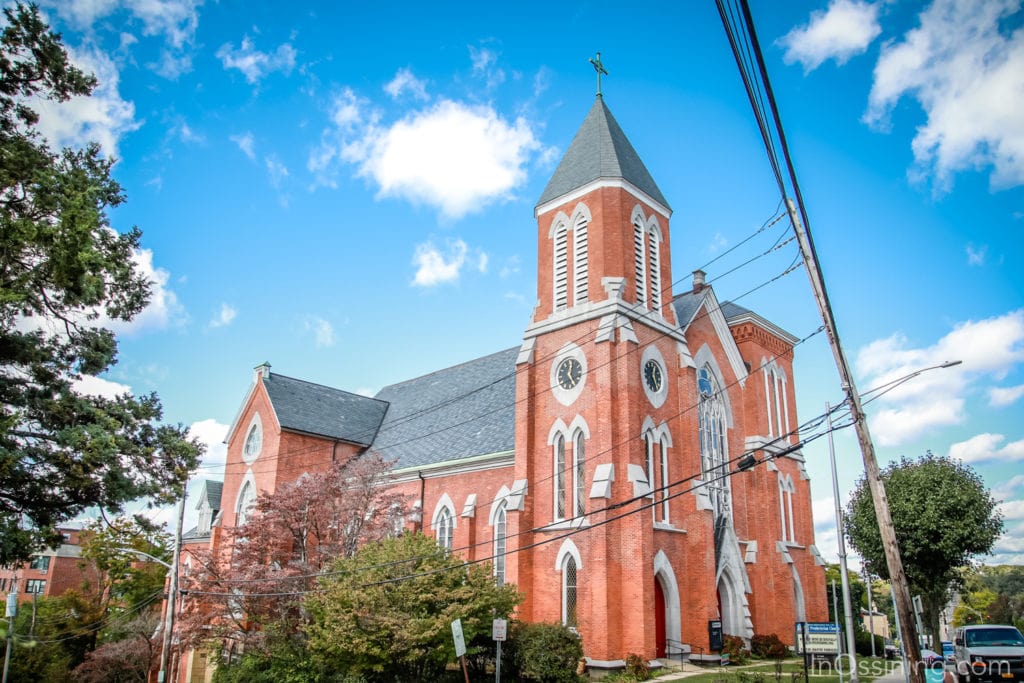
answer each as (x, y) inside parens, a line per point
(52, 636)
(943, 517)
(63, 270)
(128, 579)
(386, 613)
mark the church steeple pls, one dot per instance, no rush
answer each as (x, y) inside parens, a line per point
(600, 150)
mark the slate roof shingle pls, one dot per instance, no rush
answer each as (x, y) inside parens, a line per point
(600, 150)
(322, 411)
(451, 414)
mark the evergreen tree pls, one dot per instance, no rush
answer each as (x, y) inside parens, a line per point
(63, 270)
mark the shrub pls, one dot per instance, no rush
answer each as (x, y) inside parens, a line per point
(862, 640)
(545, 653)
(636, 667)
(737, 653)
(768, 646)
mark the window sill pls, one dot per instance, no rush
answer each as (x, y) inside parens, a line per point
(577, 523)
(667, 526)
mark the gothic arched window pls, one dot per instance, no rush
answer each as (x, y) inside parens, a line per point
(500, 538)
(445, 528)
(713, 444)
(246, 501)
(560, 477)
(579, 455)
(570, 589)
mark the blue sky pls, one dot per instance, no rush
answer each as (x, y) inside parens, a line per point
(346, 190)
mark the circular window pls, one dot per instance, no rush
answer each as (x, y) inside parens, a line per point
(253, 441)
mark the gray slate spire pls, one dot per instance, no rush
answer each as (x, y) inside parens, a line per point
(600, 150)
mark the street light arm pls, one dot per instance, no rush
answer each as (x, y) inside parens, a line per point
(146, 555)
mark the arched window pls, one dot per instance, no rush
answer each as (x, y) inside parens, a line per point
(445, 528)
(246, 501)
(662, 494)
(500, 536)
(560, 477)
(579, 455)
(775, 401)
(654, 247)
(640, 260)
(569, 591)
(649, 456)
(579, 260)
(713, 444)
(561, 259)
(786, 490)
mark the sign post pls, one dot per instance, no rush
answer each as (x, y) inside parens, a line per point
(460, 646)
(499, 630)
(816, 638)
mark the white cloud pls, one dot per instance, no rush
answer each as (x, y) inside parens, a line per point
(964, 64)
(845, 29)
(97, 386)
(999, 397)
(976, 255)
(188, 135)
(246, 143)
(1012, 509)
(163, 309)
(276, 170)
(1006, 489)
(177, 20)
(484, 65)
(102, 117)
(454, 156)
(323, 332)
(404, 81)
(986, 447)
(434, 267)
(936, 398)
(224, 317)
(254, 64)
(511, 267)
(482, 259)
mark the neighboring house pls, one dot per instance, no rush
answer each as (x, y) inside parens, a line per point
(51, 572)
(620, 394)
(876, 622)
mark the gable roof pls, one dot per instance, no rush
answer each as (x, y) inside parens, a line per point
(451, 414)
(211, 493)
(600, 150)
(322, 411)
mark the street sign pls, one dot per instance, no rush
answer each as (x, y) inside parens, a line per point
(499, 629)
(821, 638)
(460, 642)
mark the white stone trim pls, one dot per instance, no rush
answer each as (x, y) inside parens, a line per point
(604, 475)
(256, 423)
(496, 504)
(651, 353)
(517, 497)
(666, 576)
(567, 396)
(469, 507)
(247, 480)
(703, 357)
(638, 475)
(443, 502)
(568, 548)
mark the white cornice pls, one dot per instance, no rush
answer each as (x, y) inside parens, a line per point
(591, 310)
(619, 183)
(447, 468)
(772, 328)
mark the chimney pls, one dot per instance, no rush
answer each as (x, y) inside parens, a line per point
(262, 371)
(698, 280)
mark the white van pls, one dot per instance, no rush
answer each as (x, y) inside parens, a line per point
(989, 652)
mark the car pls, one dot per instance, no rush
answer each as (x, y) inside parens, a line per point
(948, 652)
(990, 652)
(929, 657)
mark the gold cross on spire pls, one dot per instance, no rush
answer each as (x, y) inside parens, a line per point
(599, 68)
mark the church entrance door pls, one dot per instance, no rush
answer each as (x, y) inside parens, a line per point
(659, 618)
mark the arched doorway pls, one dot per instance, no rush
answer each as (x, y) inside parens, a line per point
(659, 619)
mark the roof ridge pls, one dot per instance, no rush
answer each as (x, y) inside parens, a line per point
(324, 386)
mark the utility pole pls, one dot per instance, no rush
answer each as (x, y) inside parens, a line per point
(835, 613)
(871, 612)
(12, 610)
(172, 590)
(844, 574)
(897, 576)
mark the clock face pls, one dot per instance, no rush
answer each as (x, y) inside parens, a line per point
(653, 375)
(569, 374)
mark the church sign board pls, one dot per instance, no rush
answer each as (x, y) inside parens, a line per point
(817, 638)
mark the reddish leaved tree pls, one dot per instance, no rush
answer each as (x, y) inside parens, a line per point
(253, 584)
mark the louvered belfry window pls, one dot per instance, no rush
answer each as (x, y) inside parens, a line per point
(640, 259)
(579, 261)
(561, 267)
(655, 263)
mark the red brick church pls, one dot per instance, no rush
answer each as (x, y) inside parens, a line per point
(627, 412)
